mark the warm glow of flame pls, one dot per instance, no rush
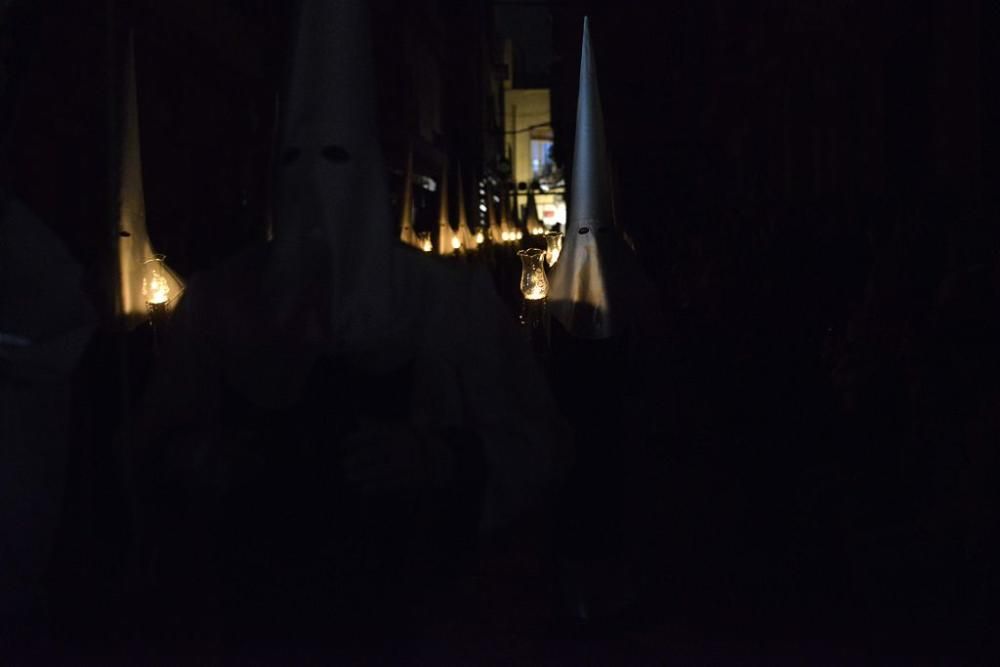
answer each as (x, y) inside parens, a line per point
(427, 245)
(155, 288)
(534, 283)
(456, 243)
(519, 236)
(480, 238)
(536, 292)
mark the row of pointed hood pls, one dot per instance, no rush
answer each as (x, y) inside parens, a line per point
(449, 239)
(589, 286)
(501, 224)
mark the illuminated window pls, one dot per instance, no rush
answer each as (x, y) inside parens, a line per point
(541, 157)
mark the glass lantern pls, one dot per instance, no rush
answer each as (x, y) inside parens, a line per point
(160, 289)
(159, 285)
(534, 284)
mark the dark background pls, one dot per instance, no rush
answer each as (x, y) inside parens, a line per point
(809, 185)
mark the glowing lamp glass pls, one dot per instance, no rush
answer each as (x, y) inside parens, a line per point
(155, 283)
(534, 283)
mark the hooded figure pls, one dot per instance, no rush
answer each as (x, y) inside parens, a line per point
(508, 228)
(591, 287)
(448, 241)
(465, 236)
(336, 358)
(134, 247)
(407, 234)
(45, 325)
(531, 221)
(492, 225)
(610, 345)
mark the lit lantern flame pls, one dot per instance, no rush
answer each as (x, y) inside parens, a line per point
(519, 235)
(536, 293)
(456, 243)
(155, 289)
(428, 246)
(480, 237)
(534, 284)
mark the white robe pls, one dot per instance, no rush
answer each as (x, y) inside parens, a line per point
(472, 369)
(375, 304)
(45, 324)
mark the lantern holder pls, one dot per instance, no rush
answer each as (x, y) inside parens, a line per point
(534, 283)
(158, 317)
(535, 323)
(160, 289)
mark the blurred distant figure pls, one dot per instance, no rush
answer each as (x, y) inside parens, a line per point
(45, 324)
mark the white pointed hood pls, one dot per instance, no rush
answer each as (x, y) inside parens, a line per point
(134, 246)
(333, 225)
(506, 224)
(45, 317)
(531, 221)
(407, 234)
(493, 226)
(446, 234)
(465, 236)
(588, 286)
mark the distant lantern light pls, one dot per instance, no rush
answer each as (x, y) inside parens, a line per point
(456, 243)
(480, 237)
(424, 239)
